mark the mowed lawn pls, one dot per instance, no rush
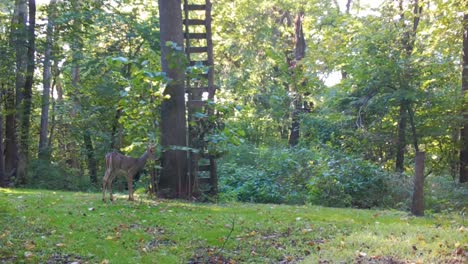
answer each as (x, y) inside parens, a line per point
(39, 226)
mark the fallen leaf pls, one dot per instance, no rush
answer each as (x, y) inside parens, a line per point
(29, 245)
(253, 233)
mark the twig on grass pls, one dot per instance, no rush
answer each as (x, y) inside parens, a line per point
(228, 236)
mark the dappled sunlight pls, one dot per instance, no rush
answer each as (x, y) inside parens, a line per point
(18, 191)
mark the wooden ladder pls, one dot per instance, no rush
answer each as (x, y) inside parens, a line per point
(200, 91)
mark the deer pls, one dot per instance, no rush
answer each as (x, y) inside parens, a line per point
(118, 162)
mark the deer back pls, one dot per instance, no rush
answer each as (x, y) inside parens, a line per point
(119, 161)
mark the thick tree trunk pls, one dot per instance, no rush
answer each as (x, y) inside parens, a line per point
(464, 130)
(26, 97)
(25, 104)
(44, 152)
(173, 181)
(417, 207)
(14, 157)
(27, 92)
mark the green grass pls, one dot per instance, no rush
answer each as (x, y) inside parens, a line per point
(38, 226)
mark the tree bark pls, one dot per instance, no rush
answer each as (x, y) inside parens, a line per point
(2, 156)
(18, 25)
(71, 147)
(401, 140)
(407, 43)
(417, 207)
(92, 168)
(464, 130)
(115, 142)
(299, 54)
(25, 103)
(173, 181)
(17, 158)
(44, 151)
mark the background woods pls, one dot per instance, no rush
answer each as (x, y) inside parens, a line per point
(319, 101)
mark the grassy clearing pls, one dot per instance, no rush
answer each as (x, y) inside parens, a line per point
(38, 226)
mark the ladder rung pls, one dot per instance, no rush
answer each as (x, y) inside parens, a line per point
(204, 180)
(195, 35)
(194, 22)
(197, 89)
(196, 103)
(194, 7)
(200, 76)
(204, 168)
(204, 63)
(197, 49)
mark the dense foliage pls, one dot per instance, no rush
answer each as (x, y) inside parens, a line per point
(371, 80)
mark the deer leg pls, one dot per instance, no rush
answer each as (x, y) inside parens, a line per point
(130, 186)
(110, 187)
(104, 184)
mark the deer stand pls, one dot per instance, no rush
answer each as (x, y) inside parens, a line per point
(200, 90)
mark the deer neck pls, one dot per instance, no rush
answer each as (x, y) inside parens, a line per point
(142, 159)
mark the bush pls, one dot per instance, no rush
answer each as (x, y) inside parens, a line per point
(443, 194)
(265, 175)
(42, 175)
(344, 181)
(300, 175)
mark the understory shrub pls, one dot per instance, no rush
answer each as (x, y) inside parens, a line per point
(52, 176)
(444, 194)
(344, 181)
(266, 175)
(300, 175)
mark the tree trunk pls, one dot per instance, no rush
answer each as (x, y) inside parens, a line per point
(464, 130)
(407, 43)
(417, 207)
(24, 96)
(2, 157)
(22, 53)
(299, 53)
(173, 181)
(92, 168)
(18, 26)
(44, 152)
(26, 102)
(401, 140)
(115, 142)
(71, 147)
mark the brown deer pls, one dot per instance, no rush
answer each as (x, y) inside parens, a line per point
(118, 162)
